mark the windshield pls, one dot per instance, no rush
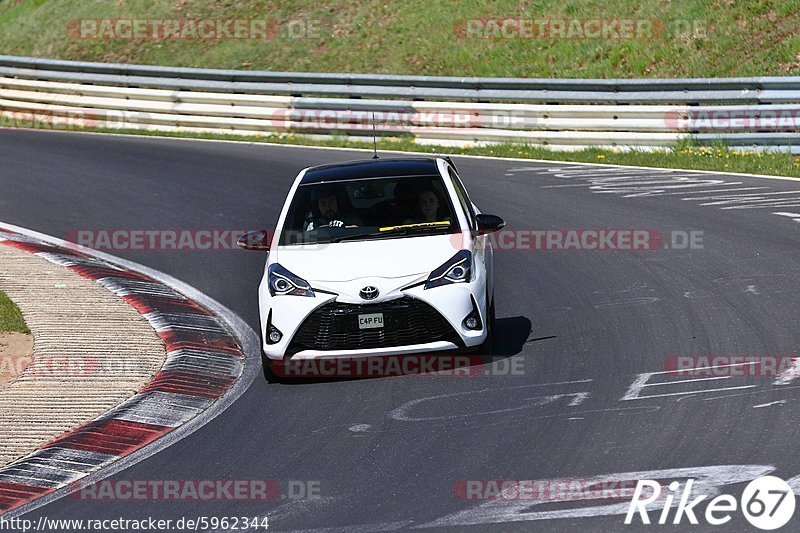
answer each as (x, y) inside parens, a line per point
(365, 209)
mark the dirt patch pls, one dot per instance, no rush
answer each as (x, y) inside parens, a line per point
(16, 354)
(92, 352)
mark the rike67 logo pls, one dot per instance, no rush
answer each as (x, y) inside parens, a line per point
(767, 503)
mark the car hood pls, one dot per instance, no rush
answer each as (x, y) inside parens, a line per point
(384, 258)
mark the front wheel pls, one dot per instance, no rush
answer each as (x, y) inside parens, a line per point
(487, 347)
(266, 367)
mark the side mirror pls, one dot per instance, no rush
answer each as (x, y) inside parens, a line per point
(489, 223)
(254, 240)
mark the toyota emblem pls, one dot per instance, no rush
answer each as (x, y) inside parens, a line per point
(369, 293)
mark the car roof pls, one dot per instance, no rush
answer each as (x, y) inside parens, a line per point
(372, 168)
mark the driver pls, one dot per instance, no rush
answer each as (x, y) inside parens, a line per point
(326, 210)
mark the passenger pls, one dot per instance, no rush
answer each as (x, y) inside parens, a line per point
(428, 204)
(427, 207)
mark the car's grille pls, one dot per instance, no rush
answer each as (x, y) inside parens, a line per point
(334, 326)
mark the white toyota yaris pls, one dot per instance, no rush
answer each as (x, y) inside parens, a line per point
(376, 257)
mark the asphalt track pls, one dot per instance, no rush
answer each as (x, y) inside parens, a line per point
(582, 325)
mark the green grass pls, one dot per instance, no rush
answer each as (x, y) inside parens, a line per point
(10, 318)
(701, 38)
(718, 158)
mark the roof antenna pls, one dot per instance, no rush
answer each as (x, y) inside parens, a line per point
(374, 139)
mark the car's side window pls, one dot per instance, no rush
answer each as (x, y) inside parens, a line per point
(463, 198)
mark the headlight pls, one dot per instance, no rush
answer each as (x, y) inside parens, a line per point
(458, 269)
(284, 283)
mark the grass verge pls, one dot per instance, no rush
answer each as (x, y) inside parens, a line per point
(691, 38)
(10, 317)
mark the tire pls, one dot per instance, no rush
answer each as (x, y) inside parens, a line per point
(487, 347)
(269, 375)
(268, 367)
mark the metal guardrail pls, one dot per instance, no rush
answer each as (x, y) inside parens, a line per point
(758, 113)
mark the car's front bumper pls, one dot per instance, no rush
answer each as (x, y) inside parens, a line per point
(421, 349)
(452, 302)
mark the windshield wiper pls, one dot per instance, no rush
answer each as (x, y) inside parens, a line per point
(399, 230)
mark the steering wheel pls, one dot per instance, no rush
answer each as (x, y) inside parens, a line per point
(328, 225)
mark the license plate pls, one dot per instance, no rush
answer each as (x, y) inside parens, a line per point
(372, 320)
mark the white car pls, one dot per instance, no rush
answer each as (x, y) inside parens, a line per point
(373, 258)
